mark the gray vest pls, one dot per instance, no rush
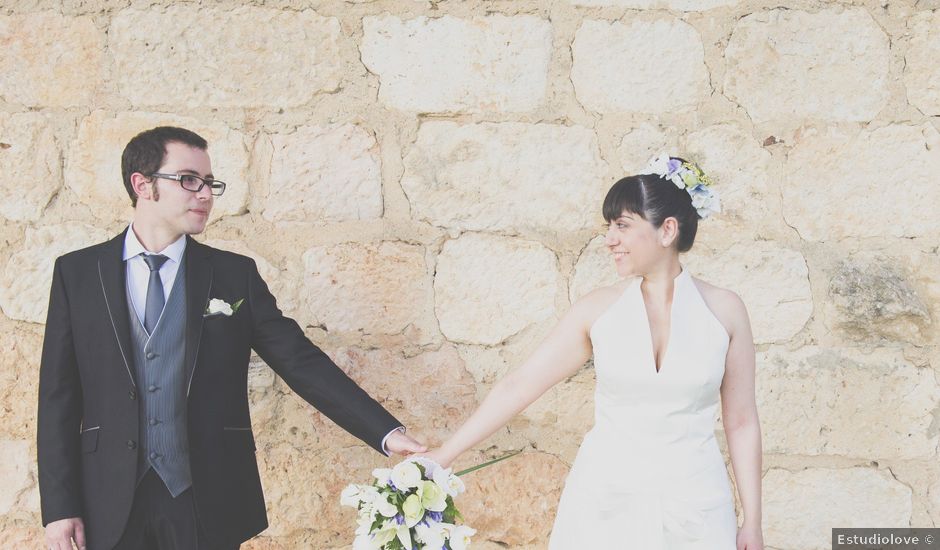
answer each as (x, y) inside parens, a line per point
(161, 383)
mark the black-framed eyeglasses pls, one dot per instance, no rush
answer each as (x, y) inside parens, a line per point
(193, 183)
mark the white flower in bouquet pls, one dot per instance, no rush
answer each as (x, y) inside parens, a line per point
(459, 537)
(433, 496)
(451, 483)
(393, 532)
(410, 507)
(433, 536)
(383, 476)
(405, 475)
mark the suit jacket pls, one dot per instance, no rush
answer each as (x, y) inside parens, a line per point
(88, 410)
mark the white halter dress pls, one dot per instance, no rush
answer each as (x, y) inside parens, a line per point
(649, 475)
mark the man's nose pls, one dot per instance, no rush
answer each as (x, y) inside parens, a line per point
(205, 193)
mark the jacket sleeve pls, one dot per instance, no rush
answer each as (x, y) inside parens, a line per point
(282, 344)
(60, 411)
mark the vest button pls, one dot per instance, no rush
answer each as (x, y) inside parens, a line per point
(153, 456)
(153, 421)
(151, 355)
(151, 388)
(131, 444)
(132, 394)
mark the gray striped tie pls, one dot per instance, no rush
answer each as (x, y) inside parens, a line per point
(155, 298)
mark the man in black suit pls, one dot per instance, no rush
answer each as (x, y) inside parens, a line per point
(144, 434)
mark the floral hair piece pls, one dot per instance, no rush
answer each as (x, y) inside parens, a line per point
(690, 177)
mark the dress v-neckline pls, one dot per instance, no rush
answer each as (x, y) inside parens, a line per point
(649, 329)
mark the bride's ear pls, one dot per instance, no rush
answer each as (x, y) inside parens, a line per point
(668, 232)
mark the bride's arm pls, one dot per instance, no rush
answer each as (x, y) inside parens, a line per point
(739, 416)
(559, 356)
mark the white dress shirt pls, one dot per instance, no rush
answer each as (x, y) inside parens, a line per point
(138, 277)
(138, 273)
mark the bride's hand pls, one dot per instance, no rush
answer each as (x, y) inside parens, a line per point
(437, 456)
(750, 538)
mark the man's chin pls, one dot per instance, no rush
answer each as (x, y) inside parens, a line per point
(195, 229)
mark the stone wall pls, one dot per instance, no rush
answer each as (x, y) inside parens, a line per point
(421, 183)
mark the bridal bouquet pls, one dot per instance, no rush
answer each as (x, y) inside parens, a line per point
(410, 507)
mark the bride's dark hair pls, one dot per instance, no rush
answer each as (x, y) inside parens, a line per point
(654, 199)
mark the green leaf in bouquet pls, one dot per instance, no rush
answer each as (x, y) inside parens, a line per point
(376, 523)
(488, 463)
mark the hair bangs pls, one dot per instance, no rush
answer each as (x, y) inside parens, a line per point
(625, 196)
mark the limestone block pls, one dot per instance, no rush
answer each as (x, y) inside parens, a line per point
(93, 171)
(873, 298)
(378, 288)
(488, 288)
(870, 183)
(431, 393)
(740, 168)
(49, 60)
(268, 543)
(827, 498)
(505, 177)
(641, 65)
(30, 166)
(830, 65)
(933, 498)
(494, 63)
(921, 71)
(681, 5)
(323, 174)
(843, 402)
(595, 269)
(535, 479)
(773, 282)
(224, 57)
(22, 536)
(281, 285)
(14, 472)
(21, 344)
(557, 421)
(302, 488)
(642, 143)
(27, 277)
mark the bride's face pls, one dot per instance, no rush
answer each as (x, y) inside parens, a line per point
(634, 244)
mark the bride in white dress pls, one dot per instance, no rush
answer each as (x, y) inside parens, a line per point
(649, 475)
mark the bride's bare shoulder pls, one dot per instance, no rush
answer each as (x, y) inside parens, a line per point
(727, 306)
(594, 303)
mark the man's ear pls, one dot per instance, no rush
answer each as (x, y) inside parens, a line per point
(143, 186)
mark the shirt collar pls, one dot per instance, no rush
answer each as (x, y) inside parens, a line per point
(132, 246)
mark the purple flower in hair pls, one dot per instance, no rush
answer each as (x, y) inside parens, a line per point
(673, 165)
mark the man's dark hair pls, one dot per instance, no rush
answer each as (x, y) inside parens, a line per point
(145, 152)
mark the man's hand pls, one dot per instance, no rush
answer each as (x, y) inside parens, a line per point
(61, 533)
(400, 444)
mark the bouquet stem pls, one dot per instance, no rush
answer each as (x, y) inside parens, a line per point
(489, 463)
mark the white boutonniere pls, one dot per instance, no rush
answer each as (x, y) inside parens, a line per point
(218, 307)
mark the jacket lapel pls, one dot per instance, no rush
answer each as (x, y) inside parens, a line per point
(112, 274)
(198, 287)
